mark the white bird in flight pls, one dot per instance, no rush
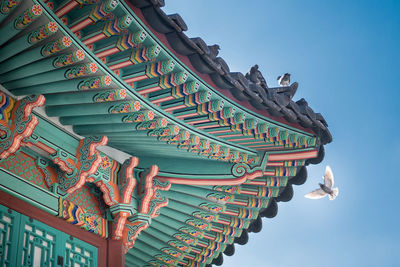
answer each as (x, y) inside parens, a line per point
(326, 188)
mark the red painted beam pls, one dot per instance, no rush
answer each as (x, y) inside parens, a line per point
(219, 131)
(80, 25)
(174, 108)
(107, 52)
(197, 122)
(160, 100)
(186, 115)
(94, 39)
(66, 8)
(136, 79)
(121, 65)
(293, 156)
(209, 126)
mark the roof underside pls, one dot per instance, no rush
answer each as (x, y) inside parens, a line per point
(127, 71)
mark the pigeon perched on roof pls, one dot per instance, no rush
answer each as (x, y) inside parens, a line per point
(252, 74)
(326, 188)
(214, 50)
(255, 76)
(284, 80)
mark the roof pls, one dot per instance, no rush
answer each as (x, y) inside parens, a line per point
(222, 147)
(250, 87)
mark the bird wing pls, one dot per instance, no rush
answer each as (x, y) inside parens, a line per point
(316, 194)
(328, 177)
(334, 194)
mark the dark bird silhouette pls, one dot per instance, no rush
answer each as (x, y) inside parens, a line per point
(326, 188)
(284, 80)
(214, 50)
(255, 76)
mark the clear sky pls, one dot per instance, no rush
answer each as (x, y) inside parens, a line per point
(345, 56)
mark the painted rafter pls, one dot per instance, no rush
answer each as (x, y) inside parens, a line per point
(245, 200)
(22, 21)
(189, 219)
(278, 144)
(226, 157)
(92, 83)
(274, 181)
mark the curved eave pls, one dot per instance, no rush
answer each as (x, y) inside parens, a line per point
(219, 223)
(55, 79)
(194, 53)
(217, 212)
(237, 142)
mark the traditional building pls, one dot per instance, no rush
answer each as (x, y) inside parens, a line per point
(125, 142)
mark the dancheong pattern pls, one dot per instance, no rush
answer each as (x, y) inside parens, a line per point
(24, 166)
(85, 199)
(200, 170)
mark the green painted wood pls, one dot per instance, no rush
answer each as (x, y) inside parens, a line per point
(110, 128)
(184, 228)
(180, 246)
(247, 201)
(95, 13)
(174, 222)
(151, 147)
(32, 55)
(28, 242)
(75, 13)
(93, 29)
(220, 128)
(146, 147)
(236, 139)
(82, 97)
(93, 109)
(16, 46)
(6, 8)
(115, 47)
(209, 216)
(79, 253)
(192, 200)
(189, 244)
(55, 136)
(132, 261)
(156, 246)
(153, 232)
(39, 67)
(143, 256)
(179, 230)
(200, 224)
(196, 119)
(137, 56)
(23, 19)
(39, 244)
(29, 192)
(95, 119)
(63, 86)
(9, 233)
(189, 168)
(49, 76)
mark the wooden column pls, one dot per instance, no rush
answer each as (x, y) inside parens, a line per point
(115, 253)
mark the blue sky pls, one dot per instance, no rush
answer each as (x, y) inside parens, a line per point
(345, 56)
